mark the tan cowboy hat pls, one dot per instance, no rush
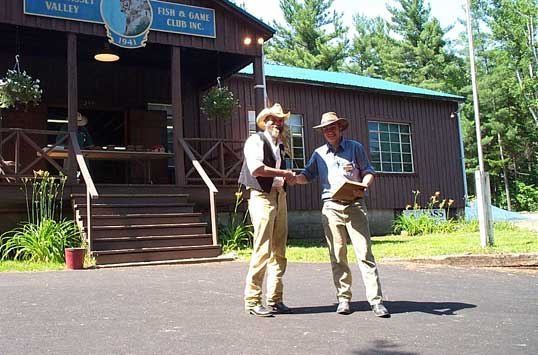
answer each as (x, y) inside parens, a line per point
(275, 111)
(81, 119)
(329, 118)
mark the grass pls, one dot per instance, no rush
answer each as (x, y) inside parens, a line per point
(20, 266)
(28, 266)
(507, 240)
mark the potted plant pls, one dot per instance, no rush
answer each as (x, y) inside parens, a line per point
(17, 88)
(219, 102)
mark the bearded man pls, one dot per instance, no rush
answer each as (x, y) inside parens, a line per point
(264, 174)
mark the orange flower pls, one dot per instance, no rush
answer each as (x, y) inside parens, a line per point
(450, 202)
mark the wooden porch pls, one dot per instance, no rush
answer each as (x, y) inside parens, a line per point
(129, 223)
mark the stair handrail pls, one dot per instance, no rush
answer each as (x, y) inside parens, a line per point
(212, 189)
(91, 191)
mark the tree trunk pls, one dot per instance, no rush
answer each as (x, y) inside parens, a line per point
(505, 174)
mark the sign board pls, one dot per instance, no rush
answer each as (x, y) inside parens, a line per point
(437, 213)
(128, 22)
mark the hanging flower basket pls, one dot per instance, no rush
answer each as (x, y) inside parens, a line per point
(219, 102)
(19, 89)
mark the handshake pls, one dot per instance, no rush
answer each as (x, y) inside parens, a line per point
(290, 177)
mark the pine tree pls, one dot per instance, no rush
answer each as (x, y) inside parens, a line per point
(312, 37)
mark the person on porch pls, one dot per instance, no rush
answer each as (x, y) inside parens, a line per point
(264, 174)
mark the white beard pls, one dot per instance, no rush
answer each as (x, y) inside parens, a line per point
(274, 132)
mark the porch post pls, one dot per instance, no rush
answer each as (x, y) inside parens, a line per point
(259, 87)
(177, 115)
(72, 101)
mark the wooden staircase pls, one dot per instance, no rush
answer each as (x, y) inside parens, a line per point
(144, 227)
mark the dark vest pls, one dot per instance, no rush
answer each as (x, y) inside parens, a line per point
(262, 183)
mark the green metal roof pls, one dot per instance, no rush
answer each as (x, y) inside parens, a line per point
(345, 79)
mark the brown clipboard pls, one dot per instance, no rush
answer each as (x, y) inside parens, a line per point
(345, 191)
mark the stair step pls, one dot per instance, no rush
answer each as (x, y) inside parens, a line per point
(132, 198)
(122, 209)
(139, 218)
(115, 205)
(118, 243)
(134, 195)
(216, 259)
(99, 232)
(150, 226)
(155, 254)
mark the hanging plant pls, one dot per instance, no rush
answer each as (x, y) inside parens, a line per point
(219, 102)
(19, 88)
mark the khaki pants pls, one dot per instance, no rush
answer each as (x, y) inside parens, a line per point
(269, 216)
(342, 222)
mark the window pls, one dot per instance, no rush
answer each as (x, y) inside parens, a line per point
(295, 124)
(390, 147)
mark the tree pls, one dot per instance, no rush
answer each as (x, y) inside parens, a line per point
(311, 38)
(510, 134)
(367, 56)
(408, 49)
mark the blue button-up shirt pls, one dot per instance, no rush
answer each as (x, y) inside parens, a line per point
(329, 164)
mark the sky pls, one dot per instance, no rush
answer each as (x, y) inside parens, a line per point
(446, 11)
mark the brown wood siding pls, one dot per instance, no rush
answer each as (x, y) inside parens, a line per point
(231, 27)
(435, 137)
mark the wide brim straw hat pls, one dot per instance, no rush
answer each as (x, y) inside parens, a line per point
(329, 118)
(274, 111)
(81, 119)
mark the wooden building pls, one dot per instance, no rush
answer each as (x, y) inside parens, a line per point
(139, 203)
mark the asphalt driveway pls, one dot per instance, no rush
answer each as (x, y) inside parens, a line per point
(198, 309)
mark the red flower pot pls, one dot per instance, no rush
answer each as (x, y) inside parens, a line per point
(74, 258)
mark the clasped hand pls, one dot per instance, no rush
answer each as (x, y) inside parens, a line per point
(290, 177)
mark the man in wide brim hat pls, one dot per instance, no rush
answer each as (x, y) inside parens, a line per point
(335, 162)
(274, 111)
(264, 174)
(330, 118)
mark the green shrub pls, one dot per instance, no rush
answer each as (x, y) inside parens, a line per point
(526, 197)
(422, 222)
(236, 235)
(42, 242)
(45, 235)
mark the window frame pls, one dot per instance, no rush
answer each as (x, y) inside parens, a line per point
(386, 139)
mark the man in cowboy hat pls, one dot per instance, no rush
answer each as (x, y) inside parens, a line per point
(264, 174)
(335, 162)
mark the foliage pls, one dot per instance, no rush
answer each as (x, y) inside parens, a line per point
(508, 239)
(422, 222)
(45, 234)
(409, 49)
(505, 47)
(526, 197)
(44, 241)
(18, 88)
(312, 37)
(219, 102)
(236, 235)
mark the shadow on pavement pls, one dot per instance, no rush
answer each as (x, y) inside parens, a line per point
(383, 347)
(395, 307)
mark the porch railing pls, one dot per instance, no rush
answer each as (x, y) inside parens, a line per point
(221, 158)
(212, 189)
(91, 191)
(14, 167)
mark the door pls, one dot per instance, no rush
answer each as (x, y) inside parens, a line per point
(146, 130)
